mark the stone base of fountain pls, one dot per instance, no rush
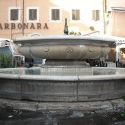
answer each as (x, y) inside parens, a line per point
(62, 84)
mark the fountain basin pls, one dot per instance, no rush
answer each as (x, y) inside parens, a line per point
(59, 84)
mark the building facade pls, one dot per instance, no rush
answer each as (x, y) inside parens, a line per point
(116, 10)
(47, 17)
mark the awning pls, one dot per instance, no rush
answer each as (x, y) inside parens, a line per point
(118, 9)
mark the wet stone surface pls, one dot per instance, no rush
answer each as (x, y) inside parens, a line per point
(11, 116)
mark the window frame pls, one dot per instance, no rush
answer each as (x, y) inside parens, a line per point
(50, 15)
(79, 15)
(32, 21)
(96, 15)
(19, 15)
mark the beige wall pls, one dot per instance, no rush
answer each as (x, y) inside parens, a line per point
(118, 23)
(115, 3)
(44, 7)
(117, 17)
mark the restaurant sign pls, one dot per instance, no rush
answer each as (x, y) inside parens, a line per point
(15, 26)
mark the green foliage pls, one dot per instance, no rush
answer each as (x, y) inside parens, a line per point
(5, 61)
(74, 33)
(123, 113)
(123, 98)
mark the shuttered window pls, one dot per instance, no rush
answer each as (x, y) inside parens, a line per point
(75, 14)
(32, 14)
(14, 14)
(55, 14)
(96, 15)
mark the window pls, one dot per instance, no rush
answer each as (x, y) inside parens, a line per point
(55, 14)
(95, 15)
(14, 14)
(75, 14)
(32, 14)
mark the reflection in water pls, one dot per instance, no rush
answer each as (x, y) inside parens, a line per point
(11, 116)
